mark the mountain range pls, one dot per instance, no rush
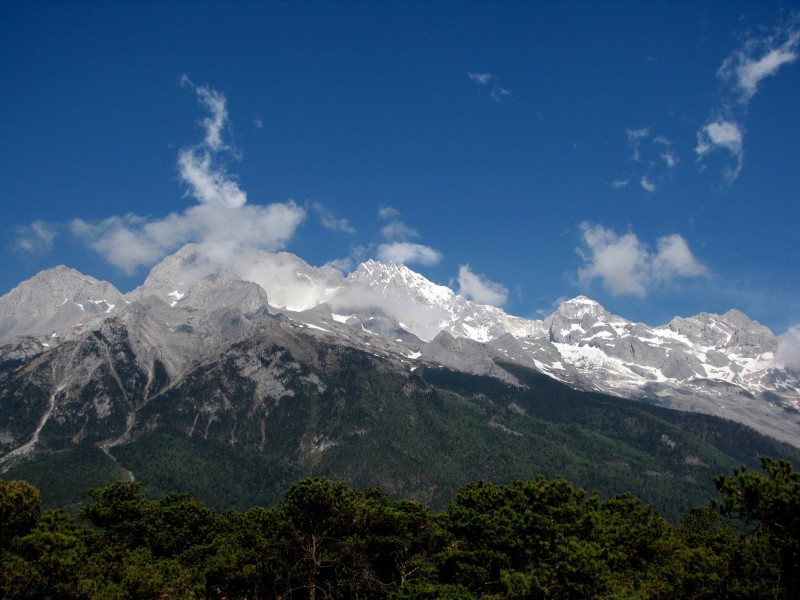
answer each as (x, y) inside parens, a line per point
(225, 355)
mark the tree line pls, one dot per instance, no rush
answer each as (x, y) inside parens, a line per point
(323, 540)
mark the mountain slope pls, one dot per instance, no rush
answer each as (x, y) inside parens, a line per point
(289, 402)
(381, 378)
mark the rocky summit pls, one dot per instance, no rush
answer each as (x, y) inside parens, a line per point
(304, 366)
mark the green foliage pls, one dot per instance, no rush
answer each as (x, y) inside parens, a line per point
(20, 505)
(47, 561)
(769, 505)
(539, 538)
(221, 476)
(63, 478)
(530, 538)
(343, 414)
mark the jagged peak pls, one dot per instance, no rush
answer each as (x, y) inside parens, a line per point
(380, 274)
(64, 279)
(733, 318)
(580, 306)
(377, 269)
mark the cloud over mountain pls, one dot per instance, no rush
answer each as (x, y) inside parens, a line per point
(397, 247)
(223, 224)
(625, 266)
(480, 289)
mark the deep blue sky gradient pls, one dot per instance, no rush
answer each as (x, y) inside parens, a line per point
(360, 105)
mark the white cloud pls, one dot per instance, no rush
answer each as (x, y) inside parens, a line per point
(388, 213)
(408, 253)
(398, 249)
(742, 71)
(343, 265)
(209, 185)
(330, 221)
(758, 59)
(726, 135)
(674, 259)
(668, 155)
(670, 159)
(223, 225)
(217, 119)
(619, 261)
(635, 136)
(788, 353)
(36, 238)
(647, 153)
(421, 318)
(131, 241)
(396, 230)
(358, 254)
(480, 289)
(625, 265)
(480, 78)
(498, 93)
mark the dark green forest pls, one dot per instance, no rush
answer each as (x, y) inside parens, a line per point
(538, 538)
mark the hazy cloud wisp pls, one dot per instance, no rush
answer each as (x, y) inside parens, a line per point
(397, 247)
(483, 80)
(36, 238)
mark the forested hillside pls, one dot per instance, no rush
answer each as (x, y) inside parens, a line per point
(349, 416)
(529, 539)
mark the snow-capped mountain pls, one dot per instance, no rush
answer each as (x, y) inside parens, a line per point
(187, 310)
(426, 309)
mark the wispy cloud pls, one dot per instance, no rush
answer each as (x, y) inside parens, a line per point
(746, 67)
(741, 74)
(397, 248)
(217, 119)
(649, 155)
(488, 81)
(726, 135)
(330, 221)
(479, 288)
(223, 224)
(36, 238)
(408, 253)
(480, 78)
(624, 264)
(635, 137)
(499, 92)
(395, 230)
(668, 154)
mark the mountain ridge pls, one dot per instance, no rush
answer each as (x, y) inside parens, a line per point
(719, 364)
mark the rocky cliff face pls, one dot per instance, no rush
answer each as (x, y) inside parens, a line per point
(80, 359)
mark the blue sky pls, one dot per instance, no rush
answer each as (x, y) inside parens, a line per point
(643, 154)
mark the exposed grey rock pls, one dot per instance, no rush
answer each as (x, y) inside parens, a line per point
(188, 312)
(55, 301)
